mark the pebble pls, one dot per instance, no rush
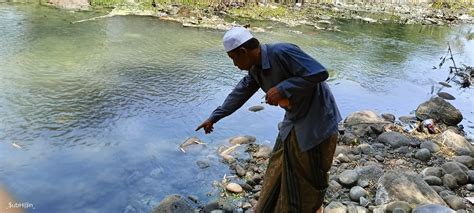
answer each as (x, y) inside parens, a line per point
(234, 187)
(433, 180)
(357, 192)
(423, 154)
(348, 177)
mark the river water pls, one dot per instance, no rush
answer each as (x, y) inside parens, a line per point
(92, 113)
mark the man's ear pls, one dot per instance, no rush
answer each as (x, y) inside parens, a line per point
(242, 50)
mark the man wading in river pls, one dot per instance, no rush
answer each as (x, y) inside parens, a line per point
(297, 175)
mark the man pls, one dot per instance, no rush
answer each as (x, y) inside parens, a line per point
(297, 173)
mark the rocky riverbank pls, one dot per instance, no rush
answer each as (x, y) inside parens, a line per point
(416, 163)
(319, 16)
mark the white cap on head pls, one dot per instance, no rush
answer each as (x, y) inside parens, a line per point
(235, 37)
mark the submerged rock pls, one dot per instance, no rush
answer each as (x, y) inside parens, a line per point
(173, 204)
(256, 108)
(431, 208)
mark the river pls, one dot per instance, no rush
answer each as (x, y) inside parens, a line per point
(92, 113)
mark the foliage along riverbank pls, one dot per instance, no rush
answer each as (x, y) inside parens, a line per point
(320, 16)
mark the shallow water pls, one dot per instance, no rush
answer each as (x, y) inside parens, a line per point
(99, 108)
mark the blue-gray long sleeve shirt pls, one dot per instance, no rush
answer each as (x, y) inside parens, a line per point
(313, 113)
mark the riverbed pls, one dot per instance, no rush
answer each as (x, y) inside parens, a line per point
(92, 113)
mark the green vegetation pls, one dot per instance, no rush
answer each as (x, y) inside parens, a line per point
(453, 4)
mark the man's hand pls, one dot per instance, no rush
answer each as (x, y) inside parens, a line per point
(207, 125)
(273, 96)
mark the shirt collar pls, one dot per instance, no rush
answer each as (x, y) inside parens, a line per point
(264, 56)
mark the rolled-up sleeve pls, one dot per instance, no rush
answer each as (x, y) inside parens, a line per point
(306, 71)
(239, 95)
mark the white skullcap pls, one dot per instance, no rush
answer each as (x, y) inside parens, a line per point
(235, 37)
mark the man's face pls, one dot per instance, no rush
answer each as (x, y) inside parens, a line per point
(241, 58)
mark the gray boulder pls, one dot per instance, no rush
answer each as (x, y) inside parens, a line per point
(433, 147)
(450, 181)
(455, 202)
(423, 154)
(398, 185)
(459, 171)
(394, 139)
(432, 208)
(173, 204)
(456, 142)
(439, 110)
(471, 176)
(465, 160)
(388, 117)
(359, 123)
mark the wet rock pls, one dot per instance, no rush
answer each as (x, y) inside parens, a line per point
(348, 177)
(433, 180)
(458, 170)
(359, 122)
(456, 142)
(398, 185)
(430, 146)
(423, 154)
(394, 139)
(202, 164)
(242, 140)
(455, 202)
(335, 207)
(439, 110)
(193, 198)
(465, 160)
(256, 108)
(173, 204)
(366, 148)
(211, 206)
(433, 171)
(246, 186)
(402, 205)
(357, 192)
(388, 117)
(407, 119)
(450, 181)
(239, 170)
(234, 187)
(263, 152)
(431, 208)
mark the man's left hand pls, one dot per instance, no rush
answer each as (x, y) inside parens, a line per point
(273, 96)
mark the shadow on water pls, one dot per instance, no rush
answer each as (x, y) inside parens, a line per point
(99, 108)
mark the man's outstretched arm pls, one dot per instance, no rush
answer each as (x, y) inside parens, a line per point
(241, 93)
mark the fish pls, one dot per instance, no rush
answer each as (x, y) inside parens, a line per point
(190, 141)
(446, 96)
(16, 145)
(444, 84)
(255, 108)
